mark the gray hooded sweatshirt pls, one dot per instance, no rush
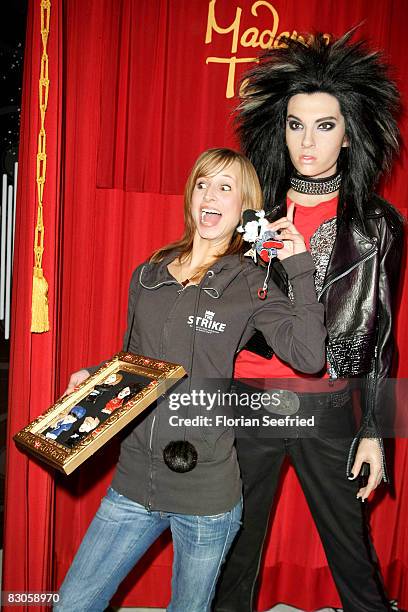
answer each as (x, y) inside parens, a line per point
(202, 327)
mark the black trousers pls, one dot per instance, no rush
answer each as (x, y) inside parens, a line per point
(319, 458)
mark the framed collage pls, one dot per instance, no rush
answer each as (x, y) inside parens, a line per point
(80, 423)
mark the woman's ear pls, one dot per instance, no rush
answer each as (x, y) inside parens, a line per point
(346, 142)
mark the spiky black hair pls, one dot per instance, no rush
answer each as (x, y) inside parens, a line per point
(368, 99)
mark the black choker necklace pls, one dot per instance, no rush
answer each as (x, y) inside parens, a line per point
(315, 186)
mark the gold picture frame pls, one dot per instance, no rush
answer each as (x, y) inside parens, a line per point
(77, 425)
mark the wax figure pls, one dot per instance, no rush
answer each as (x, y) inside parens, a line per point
(124, 395)
(88, 424)
(65, 424)
(189, 480)
(318, 122)
(99, 390)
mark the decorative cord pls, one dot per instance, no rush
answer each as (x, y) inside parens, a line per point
(39, 304)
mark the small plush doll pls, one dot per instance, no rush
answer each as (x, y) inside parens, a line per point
(264, 242)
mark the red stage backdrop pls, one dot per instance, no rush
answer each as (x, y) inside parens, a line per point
(138, 88)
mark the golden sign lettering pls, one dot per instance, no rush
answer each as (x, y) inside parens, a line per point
(251, 37)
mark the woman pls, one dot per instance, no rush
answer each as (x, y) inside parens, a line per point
(192, 484)
(317, 120)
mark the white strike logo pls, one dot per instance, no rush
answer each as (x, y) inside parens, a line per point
(207, 324)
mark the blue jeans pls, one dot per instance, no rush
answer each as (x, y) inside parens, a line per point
(120, 534)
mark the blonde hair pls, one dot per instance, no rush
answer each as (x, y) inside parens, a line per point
(209, 163)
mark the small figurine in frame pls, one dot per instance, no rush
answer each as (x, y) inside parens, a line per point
(122, 398)
(88, 424)
(65, 424)
(99, 390)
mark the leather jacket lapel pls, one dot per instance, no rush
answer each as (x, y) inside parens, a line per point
(350, 249)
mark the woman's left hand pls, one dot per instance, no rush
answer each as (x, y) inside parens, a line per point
(368, 451)
(293, 242)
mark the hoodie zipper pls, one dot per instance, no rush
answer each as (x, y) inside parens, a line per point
(152, 425)
(149, 504)
(151, 434)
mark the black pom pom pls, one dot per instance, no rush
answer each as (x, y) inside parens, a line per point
(180, 456)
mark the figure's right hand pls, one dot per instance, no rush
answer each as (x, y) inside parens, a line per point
(293, 241)
(75, 380)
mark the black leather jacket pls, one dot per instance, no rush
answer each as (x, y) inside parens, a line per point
(358, 289)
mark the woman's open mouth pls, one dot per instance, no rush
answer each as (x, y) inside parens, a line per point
(210, 216)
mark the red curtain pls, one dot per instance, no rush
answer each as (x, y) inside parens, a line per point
(136, 92)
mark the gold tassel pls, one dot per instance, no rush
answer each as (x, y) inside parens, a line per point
(39, 302)
(39, 305)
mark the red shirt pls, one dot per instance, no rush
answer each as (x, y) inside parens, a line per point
(249, 365)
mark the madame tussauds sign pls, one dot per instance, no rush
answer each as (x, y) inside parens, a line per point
(242, 39)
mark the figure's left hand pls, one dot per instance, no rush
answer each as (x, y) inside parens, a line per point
(293, 242)
(368, 451)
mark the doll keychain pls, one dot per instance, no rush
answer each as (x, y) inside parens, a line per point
(264, 242)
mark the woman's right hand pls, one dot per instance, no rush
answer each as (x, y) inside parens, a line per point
(76, 379)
